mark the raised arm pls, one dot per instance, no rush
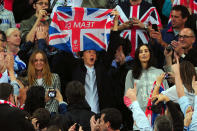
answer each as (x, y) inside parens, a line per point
(178, 81)
(158, 84)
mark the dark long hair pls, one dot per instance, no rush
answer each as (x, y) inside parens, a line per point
(35, 99)
(187, 71)
(137, 67)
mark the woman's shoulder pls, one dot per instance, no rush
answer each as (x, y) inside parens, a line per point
(129, 72)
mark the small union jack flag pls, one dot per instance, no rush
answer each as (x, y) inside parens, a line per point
(192, 4)
(77, 29)
(146, 13)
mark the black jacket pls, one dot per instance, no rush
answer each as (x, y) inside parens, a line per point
(70, 68)
(13, 119)
(79, 113)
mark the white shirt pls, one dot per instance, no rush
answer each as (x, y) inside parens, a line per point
(4, 78)
(91, 89)
(39, 81)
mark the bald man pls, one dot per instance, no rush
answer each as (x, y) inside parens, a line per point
(186, 48)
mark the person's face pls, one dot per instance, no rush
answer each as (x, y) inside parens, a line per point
(186, 38)
(39, 62)
(89, 57)
(103, 125)
(15, 38)
(144, 54)
(2, 43)
(41, 5)
(177, 20)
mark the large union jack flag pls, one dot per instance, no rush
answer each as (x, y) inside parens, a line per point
(77, 29)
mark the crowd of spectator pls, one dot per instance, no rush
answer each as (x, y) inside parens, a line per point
(146, 80)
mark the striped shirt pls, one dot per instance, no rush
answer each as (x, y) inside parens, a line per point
(6, 19)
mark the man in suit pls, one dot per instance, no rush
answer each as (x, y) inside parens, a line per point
(91, 70)
(12, 118)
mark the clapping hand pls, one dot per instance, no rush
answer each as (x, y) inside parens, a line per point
(73, 128)
(94, 124)
(9, 62)
(160, 98)
(130, 96)
(41, 32)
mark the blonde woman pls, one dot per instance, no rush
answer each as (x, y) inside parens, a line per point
(13, 42)
(39, 74)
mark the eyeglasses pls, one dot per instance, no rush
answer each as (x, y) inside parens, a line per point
(184, 36)
(41, 60)
(2, 40)
(43, 3)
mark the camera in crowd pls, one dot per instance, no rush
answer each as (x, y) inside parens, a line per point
(155, 27)
(166, 76)
(52, 93)
(169, 48)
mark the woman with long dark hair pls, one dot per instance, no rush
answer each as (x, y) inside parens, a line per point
(143, 74)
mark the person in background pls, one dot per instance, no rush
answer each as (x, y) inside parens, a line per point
(184, 101)
(122, 63)
(29, 26)
(136, 17)
(78, 109)
(40, 119)
(6, 18)
(110, 120)
(13, 46)
(91, 69)
(171, 121)
(2, 41)
(35, 98)
(39, 41)
(185, 49)
(12, 118)
(169, 35)
(7, 74)
(21, 6)
(187, 71)
(143, 74)
(106, 4)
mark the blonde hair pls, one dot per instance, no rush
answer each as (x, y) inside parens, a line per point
(10, 31)
(46, 73)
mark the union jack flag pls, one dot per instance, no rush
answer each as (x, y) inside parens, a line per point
(77, 29)
(146, 13)
(149, 113)
(192, 4)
